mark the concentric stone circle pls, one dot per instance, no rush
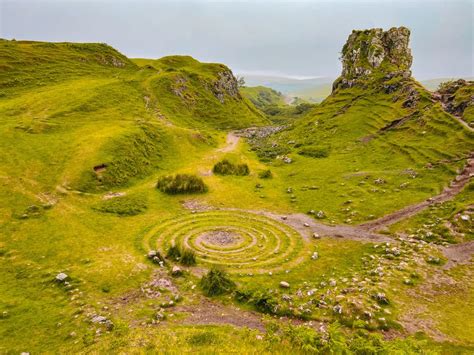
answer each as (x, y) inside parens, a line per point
(240, 241)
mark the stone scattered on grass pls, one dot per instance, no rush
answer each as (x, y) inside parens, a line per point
(284, 284)
(176, 271)
(316, 236)
(61, 277)
(315, 256)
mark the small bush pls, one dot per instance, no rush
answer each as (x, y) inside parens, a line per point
(181, 184)
(188, 257)
(315, 152)
(174, 252)
(263, 301)
(266, 174)
(216, 282)
(225, 167)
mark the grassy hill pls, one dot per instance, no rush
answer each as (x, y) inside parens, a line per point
(86, 134)
(263, 97)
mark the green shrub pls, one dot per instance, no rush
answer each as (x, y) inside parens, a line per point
(122, 206)
(225, 167)
(266, 174)
(181, 184)
(216, 282)
(262, 300)
(188, 257)
(174, 252)
(315, 152)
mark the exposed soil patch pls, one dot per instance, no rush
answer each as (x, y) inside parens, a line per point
(458, 254)
(209, 312)
(221, 237)
(231, 143)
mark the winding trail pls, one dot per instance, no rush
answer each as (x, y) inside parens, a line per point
(231, 143)
(448, 193)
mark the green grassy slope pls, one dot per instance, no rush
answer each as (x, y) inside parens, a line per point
(358, 135)
(197, 94)
(68, 112)
(262, 96)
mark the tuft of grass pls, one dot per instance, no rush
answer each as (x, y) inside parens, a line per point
(181, 184)
(225, 167)
(216, 282)
(188, 257)
(174, 252)
(265, 174)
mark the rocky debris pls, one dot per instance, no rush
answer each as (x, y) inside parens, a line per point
(315, 256)
(337, 309)
(381, 298)
(285, 159)
(316, 236)
(284, 284)
(259, 132)
(97, 319)
(61, 277)
(455, 96)
(320, 215)
(156, 257)
(368, 51)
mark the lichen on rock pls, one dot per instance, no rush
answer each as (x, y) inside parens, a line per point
(226, 84)
(375, 51)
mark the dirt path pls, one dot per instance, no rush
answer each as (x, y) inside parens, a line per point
(210, 312)
(458, 254)
(231, 143)
(448, 193)
(307, 226)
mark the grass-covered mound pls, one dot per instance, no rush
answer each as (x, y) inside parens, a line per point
(123, 205)
(225, 167)
(181, 184)
(216, 282)
(198, 94)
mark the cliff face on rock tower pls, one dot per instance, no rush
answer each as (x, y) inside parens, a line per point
(375, 54)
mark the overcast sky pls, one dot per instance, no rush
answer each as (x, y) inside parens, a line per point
(294, 38)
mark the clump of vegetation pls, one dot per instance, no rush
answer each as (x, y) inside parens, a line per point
(266, 174)
(263, 301)
(181, 184)
(315, 152)
(184, 255)
(188, 257)
(174, 252)
(216, 282)
(225, 167)
(123, 205)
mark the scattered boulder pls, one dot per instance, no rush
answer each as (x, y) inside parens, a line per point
(176, 271)
(61, 277)
(316, 236)
(315, 256)
(284, 284)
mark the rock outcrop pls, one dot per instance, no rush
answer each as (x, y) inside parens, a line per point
(456, 96)
(226, 84)
(375, 54)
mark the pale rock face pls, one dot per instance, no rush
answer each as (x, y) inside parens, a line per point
(369, 51)
(226, 84)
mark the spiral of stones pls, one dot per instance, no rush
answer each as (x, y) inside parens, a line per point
(239, 241)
